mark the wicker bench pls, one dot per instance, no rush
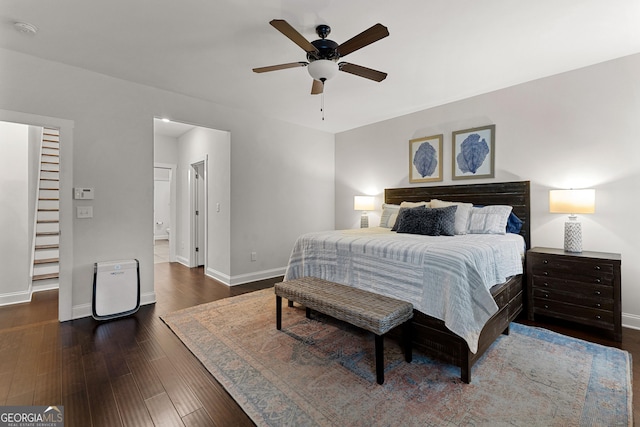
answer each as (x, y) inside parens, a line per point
(375, 313)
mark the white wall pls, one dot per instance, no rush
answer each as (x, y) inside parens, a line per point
(165, 149)
(279, 171)
(15, 255)
(577, 129)
(213, 146)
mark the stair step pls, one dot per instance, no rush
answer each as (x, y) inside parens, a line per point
(48, 221)
(50, 179)
(44, 162)
(46, 276)
(46, 261)
(47, 233)
(43, 247)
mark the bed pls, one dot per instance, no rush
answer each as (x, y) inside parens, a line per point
(380, 260)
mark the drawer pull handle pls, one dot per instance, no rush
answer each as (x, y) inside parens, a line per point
(546, 273)
(598, 281)
(597, 292)
(597, 305)
(545, 261)
(546, 295)
(598, 317)
(546, 306)
(597, 267)
(546, 284)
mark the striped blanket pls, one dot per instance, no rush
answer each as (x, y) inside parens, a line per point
(448, 278)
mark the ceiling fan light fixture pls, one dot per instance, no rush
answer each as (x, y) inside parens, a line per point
(322, 69)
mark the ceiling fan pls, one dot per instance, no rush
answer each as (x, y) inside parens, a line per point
(323, 54)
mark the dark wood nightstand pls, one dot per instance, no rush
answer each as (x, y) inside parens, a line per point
(579, 287)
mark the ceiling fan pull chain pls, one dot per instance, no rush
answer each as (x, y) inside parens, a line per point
(322, 104)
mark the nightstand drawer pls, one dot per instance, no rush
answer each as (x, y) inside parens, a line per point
(554, 295)
(593, 290)
(574, 272)
(600, 318)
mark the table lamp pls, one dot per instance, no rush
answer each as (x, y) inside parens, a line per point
(364, 204)
(572, 202)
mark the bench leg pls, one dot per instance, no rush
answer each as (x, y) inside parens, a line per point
(380, 359)
(408, 341)
(506, 331)
(290, 303)
(307, 312)
(278, 312)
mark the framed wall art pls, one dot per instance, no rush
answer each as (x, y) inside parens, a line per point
(425, 159)
(474, 152)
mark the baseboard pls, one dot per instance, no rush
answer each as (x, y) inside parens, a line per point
(45, 287)
(85, 310)
(220, 277)
(258, 275)
(182, 260)
(630, 321)
(15, 298)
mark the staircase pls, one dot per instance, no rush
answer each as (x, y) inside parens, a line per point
(46, 252)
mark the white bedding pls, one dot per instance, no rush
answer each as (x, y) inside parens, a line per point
(446, 277)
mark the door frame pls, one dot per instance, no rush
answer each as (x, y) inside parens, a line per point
(193, 256)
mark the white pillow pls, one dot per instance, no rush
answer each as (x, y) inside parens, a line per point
(462, 213)
(489, 219)
(389, 215)
(414, 204)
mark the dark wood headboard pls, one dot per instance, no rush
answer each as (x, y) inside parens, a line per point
(514, 194)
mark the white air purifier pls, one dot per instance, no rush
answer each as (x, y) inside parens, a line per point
(116, 289)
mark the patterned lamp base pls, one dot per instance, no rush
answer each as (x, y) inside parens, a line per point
(572, 236)
(364, 221)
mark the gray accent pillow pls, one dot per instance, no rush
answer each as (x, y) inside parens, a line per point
(447, 220)
(403, 212)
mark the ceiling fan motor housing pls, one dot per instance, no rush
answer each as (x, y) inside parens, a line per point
(327, 49)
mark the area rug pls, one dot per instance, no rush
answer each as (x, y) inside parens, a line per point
(321, 372)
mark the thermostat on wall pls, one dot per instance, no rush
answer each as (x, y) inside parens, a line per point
(83, 193)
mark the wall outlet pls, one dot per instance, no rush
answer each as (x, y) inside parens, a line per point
(254, 256)
(84, 211)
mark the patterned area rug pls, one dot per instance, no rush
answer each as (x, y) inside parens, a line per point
(320, 372)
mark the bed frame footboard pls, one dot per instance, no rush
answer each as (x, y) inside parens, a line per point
(434, 339)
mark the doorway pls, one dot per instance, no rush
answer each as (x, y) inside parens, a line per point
(65, 307)
(163, 212)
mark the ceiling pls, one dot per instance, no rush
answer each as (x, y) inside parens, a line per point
(438, 51)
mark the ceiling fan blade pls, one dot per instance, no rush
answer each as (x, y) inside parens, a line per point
(363, 39)
(280, 67)
(361, 71)
(293, 34)
(317, 87)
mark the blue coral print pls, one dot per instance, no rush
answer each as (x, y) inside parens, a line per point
(425, 159)
(473, 152)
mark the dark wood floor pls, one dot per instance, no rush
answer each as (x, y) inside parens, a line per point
(134, 371)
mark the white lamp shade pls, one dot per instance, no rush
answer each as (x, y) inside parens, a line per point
(363, 203)
(322, 69)
(572, 201)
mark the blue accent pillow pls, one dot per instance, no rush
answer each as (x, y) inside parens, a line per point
(514, 224)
